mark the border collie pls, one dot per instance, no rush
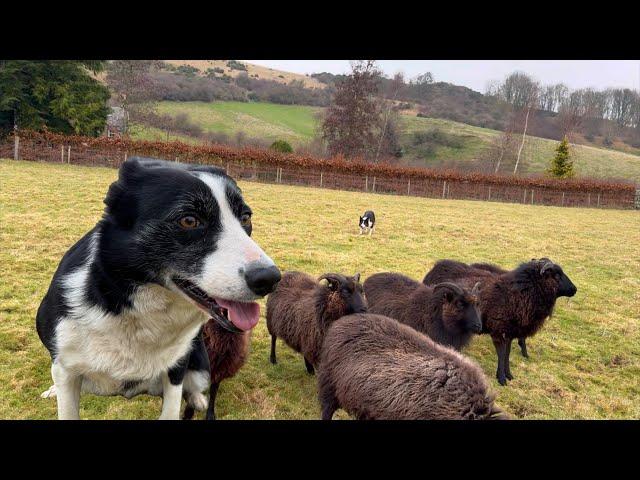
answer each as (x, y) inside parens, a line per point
(367, 222)
(125, 309)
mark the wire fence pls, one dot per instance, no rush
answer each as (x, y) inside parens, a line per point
(44, 151)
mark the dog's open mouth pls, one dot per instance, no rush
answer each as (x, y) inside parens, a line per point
(231, 315)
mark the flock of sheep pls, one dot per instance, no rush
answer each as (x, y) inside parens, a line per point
(389, 348)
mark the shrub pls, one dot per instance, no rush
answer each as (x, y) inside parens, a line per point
(187, 70)
(281, 146)
(235, 65)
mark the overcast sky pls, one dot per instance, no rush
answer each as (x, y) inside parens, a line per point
(476, 73)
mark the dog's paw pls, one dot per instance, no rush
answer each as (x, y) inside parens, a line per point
(198, 401)
(51, 393)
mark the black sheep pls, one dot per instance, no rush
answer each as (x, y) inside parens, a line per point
(446, 312)
(514, 304)
(376, 368)
(301, 308)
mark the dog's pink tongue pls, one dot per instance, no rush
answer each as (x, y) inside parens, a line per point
(243, 315)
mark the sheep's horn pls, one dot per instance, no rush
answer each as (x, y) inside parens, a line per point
(332, 278)
(476, 289)
(356, 277)
(451, 286)
(546, 265)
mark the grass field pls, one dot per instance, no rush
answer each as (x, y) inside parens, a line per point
(297, 124)
(585, 363)
(294, 123)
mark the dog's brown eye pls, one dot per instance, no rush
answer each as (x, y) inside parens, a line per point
(189, 222)
(245, 220)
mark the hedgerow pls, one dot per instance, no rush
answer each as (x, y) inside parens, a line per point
(268, 157)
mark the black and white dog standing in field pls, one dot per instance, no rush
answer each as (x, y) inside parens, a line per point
(125, 309)
(367, 222)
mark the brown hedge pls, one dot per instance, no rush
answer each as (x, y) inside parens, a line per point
(260, 157)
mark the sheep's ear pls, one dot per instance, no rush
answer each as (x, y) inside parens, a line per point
(356, 277)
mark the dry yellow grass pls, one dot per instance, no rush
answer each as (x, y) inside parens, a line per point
(263, 73)
(585, 363)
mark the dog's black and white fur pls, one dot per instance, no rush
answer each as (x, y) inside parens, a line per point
(367, 222)
(124, 311)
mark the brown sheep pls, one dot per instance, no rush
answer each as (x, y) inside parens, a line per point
(227, 352)
(376, 368)
(446, 312)
(514, 304)
(301, 308)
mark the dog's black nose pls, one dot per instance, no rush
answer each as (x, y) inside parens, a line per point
(262, 280)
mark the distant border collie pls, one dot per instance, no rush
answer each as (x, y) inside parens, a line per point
(367, 222)
(125, 309)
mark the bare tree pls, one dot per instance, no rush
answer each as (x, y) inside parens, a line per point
(351, 122)
(395, 88)
(132, 86)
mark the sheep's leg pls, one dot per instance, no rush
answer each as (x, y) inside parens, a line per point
(371, 230)
(501, 348)
(507, 354)
(213, 393)
(328, 401)
(272, 358)
(523, 347)
(310, 369)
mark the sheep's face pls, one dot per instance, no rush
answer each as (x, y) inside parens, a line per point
(555, 277)
(460, 311)
(346, 294)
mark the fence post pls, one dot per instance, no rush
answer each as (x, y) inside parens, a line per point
(62, 153)
(489, 198)
(524, 199)
(532, 196)
(373, 187)
(320, 179)
(598, 200)
(280, 174)
(444, 188)
(408, 186)
(366, 183)
(562, 199)
(589, 199)
(69, 154)
(16, 146)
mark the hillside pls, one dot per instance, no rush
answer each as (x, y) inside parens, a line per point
(454, 144)
(256, 71)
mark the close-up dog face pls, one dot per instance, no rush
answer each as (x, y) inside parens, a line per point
(188, 229)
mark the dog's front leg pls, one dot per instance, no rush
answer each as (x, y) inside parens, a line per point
(171, 397)
(68, 386)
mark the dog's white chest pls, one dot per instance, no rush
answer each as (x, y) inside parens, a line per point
(136, 346)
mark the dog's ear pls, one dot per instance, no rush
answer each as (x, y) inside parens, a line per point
(118, 203)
